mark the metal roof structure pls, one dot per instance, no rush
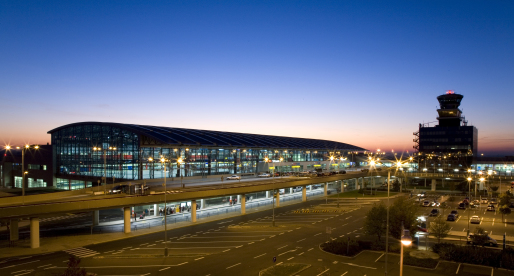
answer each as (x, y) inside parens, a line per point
(211, 138)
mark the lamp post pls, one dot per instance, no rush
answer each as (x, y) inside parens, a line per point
(469, 203)
(398, 165)
(163, 164)
(23, 172)
(406, 241)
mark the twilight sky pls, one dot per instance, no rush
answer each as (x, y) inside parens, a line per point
(359, 72)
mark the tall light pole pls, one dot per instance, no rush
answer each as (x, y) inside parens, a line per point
(23, 172)
(398, 165)
(163, 164)
(469, 202)
(405, 241)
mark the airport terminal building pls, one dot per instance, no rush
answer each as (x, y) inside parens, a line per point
(84, 152)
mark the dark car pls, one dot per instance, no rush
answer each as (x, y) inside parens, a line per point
(365, 170)
(342, 172)
(462, 205)
(451, 217)
(434, 213)
(455, 213)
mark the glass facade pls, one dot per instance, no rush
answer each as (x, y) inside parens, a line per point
(126, 155)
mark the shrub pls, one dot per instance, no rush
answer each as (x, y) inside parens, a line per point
(426, 263)
(341, 247)
(475, 255)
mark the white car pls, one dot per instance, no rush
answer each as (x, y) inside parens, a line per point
(484, 201)
(264, 175)
(234, 177)
(475, 219)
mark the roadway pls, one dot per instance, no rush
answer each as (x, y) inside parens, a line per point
(242, 245)
(84, 203)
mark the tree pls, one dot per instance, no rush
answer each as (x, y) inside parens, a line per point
(375, 223)
(73, 268)
(440, 228)
(505, 198)
(494, 188)
(402, 210)
(505, 210)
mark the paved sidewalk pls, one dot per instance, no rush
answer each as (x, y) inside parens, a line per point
(53, 244)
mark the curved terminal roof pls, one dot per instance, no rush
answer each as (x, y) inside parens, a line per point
(211, 138)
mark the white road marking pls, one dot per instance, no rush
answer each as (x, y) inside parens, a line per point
(259, 256)
(28, 271)
(282, 247)
(457, 272)
(344, 273)
(165, 268)
(233, 266)
(359, 265)
(317, 234)
(225, 250)
(286, 252)
(323, 271)
(310, 249)
(379, 257)
(19, 264)
(44, 266)
(199, 258)
(290, 259)
(301, 240)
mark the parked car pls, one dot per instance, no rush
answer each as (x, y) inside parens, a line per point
(234, 177)
(342, 172)
(451, 217)
(493, 201)
(426, 203)
(490, 207)
(434, 213)
(435, 203)
(462, 205)
(365, 170)
(264, 175)
(118, 189)
(455, 212)
(475, 219)
(489, 242)
(484, 201)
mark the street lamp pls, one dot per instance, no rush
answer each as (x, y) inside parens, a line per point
(163, 164)
(406, 241)
(23, 172)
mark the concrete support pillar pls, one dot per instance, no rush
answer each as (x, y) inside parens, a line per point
(243, 204)
(310, 187)
(304, 193)
(202, 203)
(433, 184)
(362, 182)
(342, 186)
(13, 230)
(155, 210)
(193, 210)
(291, 190)
(238, 198)
(325, 189)
(126, 219)
(34, 232)
(96, 217)
(277, 201)
(267, 194)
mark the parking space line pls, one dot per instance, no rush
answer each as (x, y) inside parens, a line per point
(259, 256)
(323, 271)
(233, 266)
(379, 257)
(457, 272)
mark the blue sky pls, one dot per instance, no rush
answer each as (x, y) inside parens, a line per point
(361, 72)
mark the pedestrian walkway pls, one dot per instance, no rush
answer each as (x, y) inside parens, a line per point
(81, 252)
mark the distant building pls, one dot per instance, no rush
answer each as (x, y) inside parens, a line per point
(450, 145)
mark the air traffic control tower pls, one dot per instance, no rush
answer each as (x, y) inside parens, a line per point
(450, 145)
